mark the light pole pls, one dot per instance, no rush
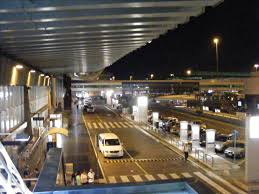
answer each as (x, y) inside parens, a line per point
(256, 66)
(216, 41)
(151, 76)
(188, 72)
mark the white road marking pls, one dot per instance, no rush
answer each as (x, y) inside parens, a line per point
(137, 178)
(162, 176)
(211, 183)
(123, 125)
(174, 176)
(124, 179)
(112, 179)
(95, 152)
(117, 125)
(150, 177)
(186, 175)
(101, 125)
(106, 125)
(95, 125)
(89, 125)
(112, 126)
(129, 124)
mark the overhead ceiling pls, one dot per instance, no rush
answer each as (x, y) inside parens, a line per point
(66, 36)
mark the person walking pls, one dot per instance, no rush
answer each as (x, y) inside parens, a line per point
(186, 151)
(78, 179)
(84, 178)
(73, 179)
(91, 175)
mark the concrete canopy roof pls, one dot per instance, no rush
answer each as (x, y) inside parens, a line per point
(66, 36)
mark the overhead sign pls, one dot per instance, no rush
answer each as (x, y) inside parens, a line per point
(38, 118)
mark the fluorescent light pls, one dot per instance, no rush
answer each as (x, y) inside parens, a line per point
(32, 71)
(47, 76)
(42, 74)
(19, 66)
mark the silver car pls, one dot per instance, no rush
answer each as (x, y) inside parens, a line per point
(238, 151)
(222, 142)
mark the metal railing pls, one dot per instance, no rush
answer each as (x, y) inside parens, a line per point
(204, 157)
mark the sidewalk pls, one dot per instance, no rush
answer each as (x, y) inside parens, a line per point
(223, 169)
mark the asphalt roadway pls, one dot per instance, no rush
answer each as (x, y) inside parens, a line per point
(145, 159)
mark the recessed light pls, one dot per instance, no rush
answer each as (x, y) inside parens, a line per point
(18, 66)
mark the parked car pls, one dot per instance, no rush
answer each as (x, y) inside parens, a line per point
(166, 123)
(238, 151)
(198, 122)
(89, 108)
(221, 142)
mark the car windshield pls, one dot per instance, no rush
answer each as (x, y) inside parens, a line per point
(111, 142)
(221, 138)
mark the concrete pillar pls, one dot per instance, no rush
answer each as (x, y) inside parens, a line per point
(252, 129)
(183, 131)
(54, 92)
(210, 141)
(27, 111)
(195, 136)
(68, 95)
(143, 108)
(155, 118)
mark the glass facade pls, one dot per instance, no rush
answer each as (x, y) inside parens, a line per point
(38, 98)
(11, 107)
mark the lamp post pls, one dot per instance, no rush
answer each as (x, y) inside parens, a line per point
(216, 42)
(256, 66)
(151, 76)
(188, 72)
(131, 77)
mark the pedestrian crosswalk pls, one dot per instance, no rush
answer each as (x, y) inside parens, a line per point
(149, 177)
(184, 176)
(109, 125)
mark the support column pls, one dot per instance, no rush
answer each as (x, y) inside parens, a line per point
(27, 111)
(68, 95)
(54, 92)
(142, 108)
(252, 129)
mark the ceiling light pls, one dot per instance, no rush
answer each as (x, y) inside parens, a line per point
(18, 66)
(42, 75)
(32, 71)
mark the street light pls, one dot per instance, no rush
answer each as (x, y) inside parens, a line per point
(131, 77)
(152, 76)
(256, 66)
(216, 42)
(188, 72)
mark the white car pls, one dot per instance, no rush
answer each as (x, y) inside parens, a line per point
(109, 145)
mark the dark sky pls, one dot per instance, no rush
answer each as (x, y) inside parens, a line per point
(190, 45)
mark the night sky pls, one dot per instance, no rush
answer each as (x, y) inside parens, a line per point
(190, 45)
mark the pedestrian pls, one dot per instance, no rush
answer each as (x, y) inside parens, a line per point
(83, 178)
(26, 171)
(73, 178)
(186, 151)
(91, 176)
(78, 178)
(36, 172)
